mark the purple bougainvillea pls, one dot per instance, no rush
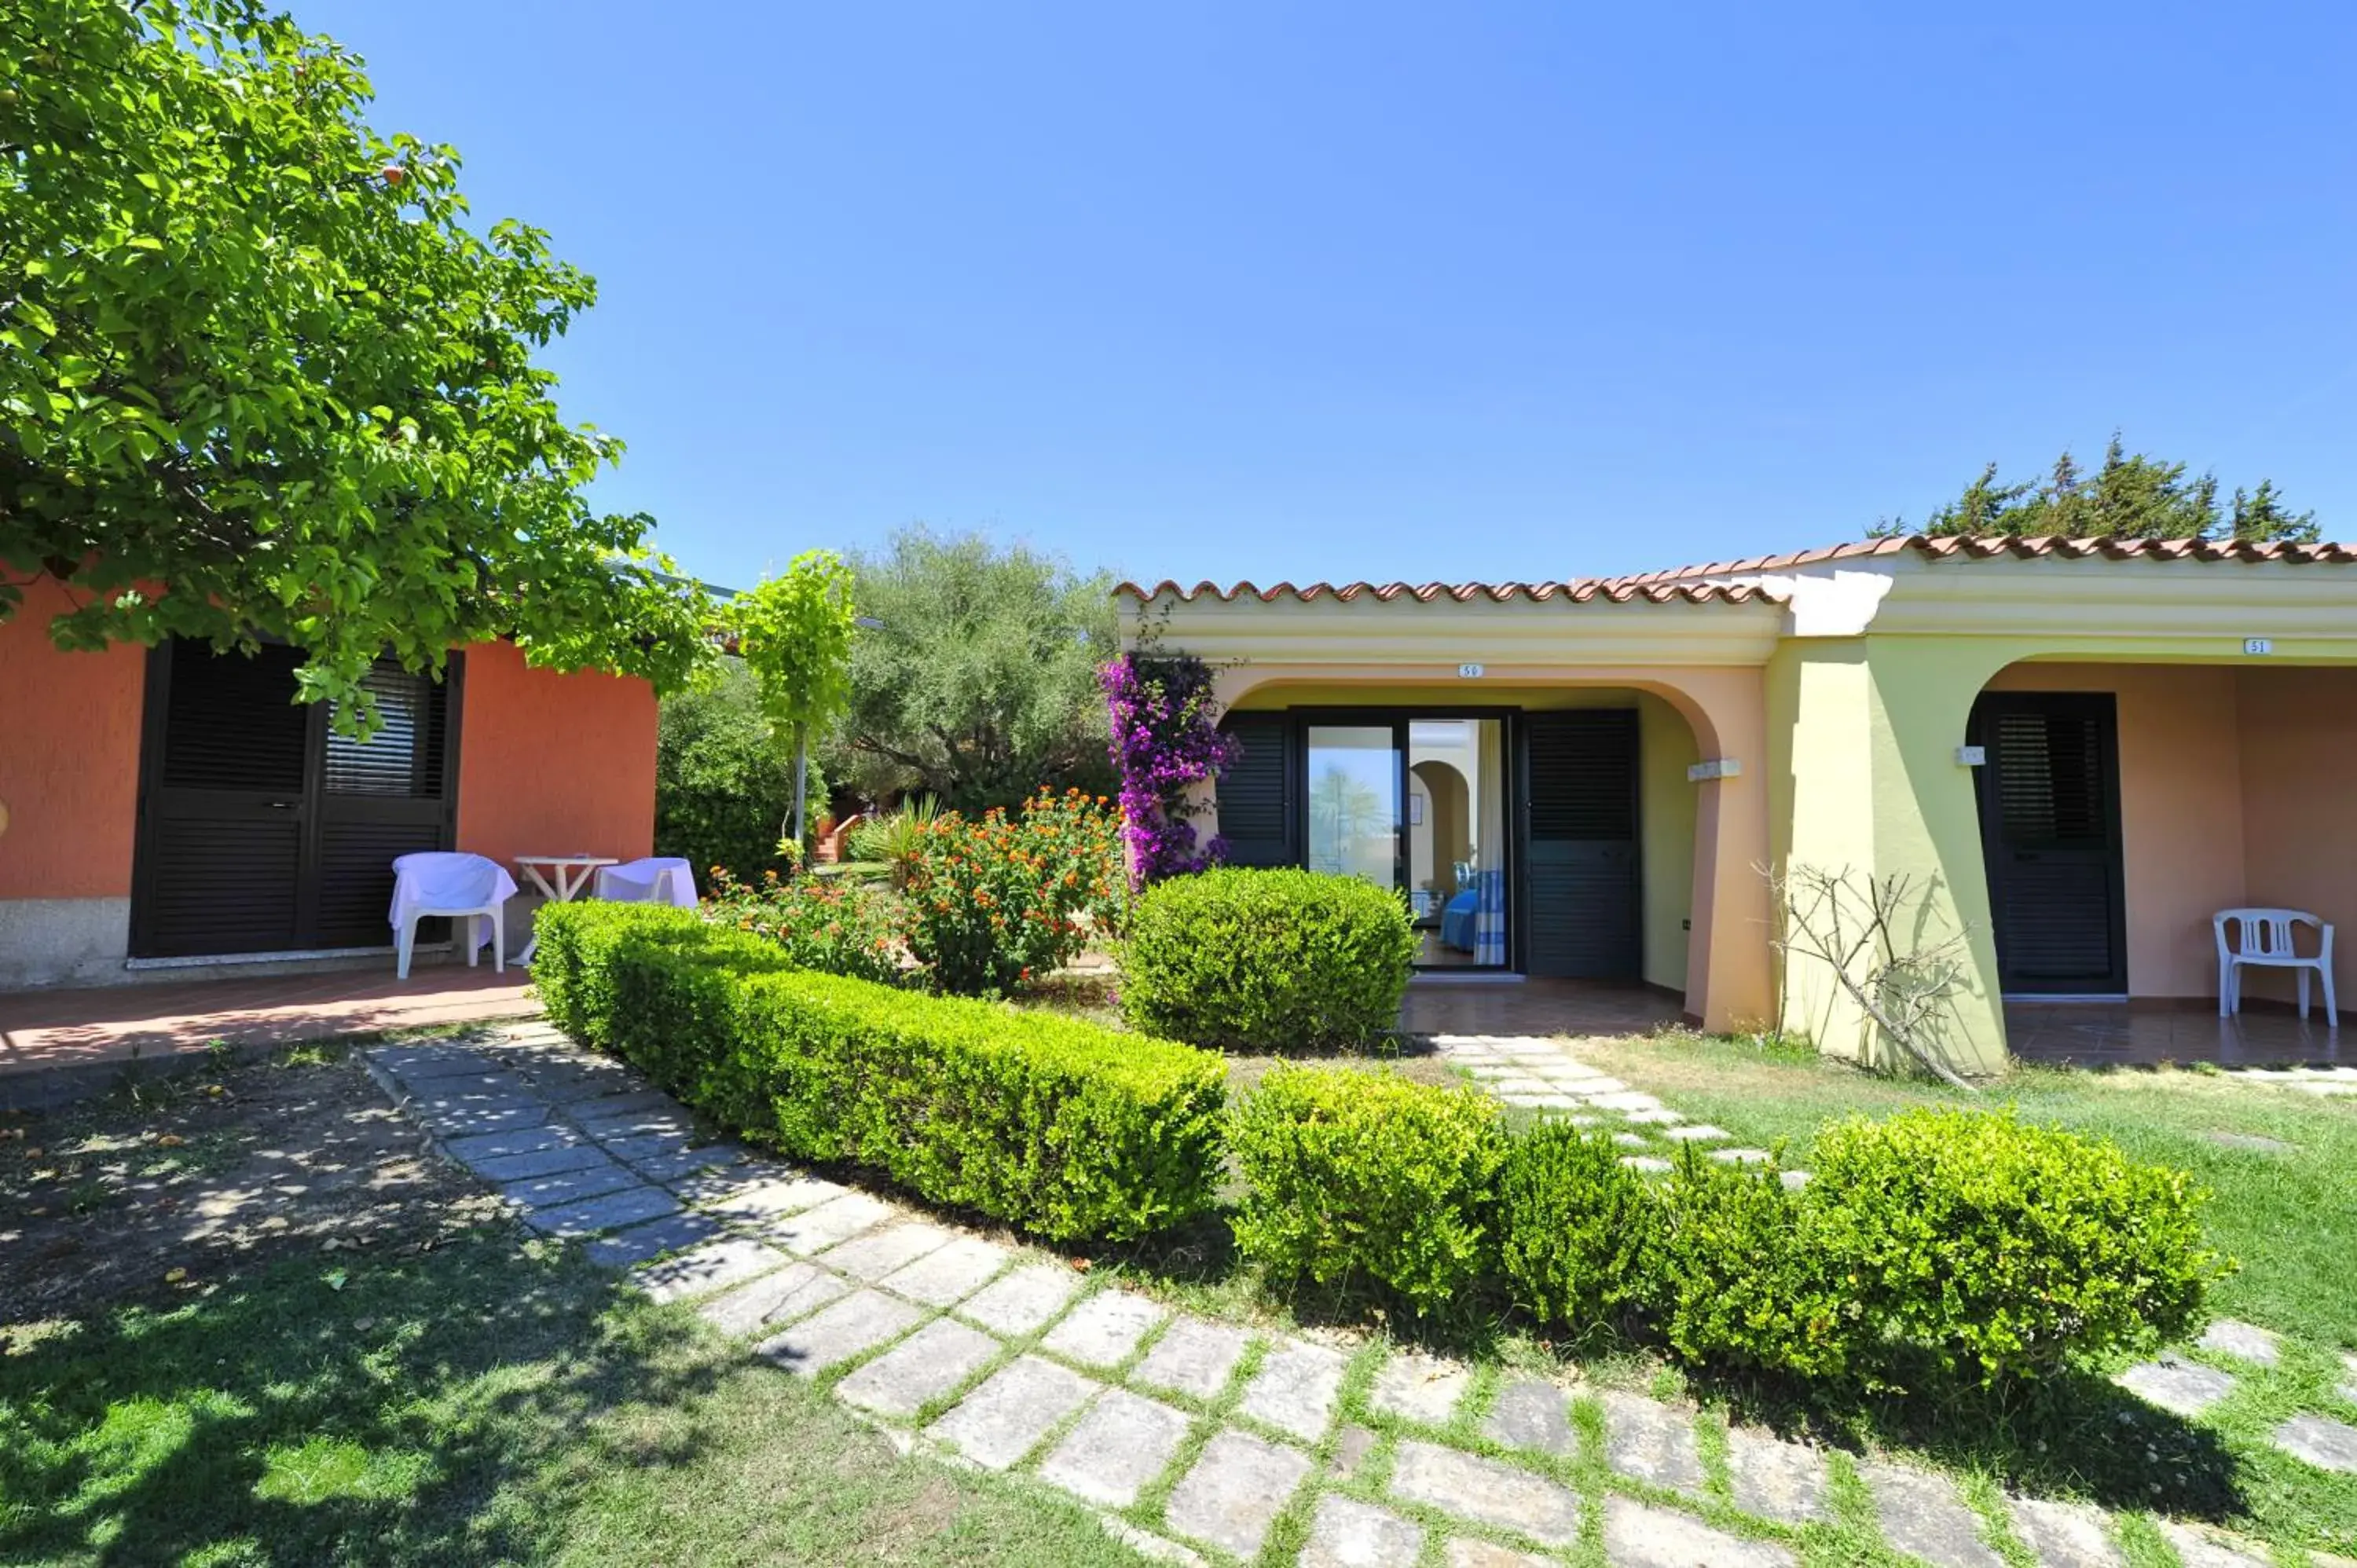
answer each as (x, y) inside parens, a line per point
(1166, 737)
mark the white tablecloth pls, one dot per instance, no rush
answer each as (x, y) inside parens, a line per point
(437, 880)
(644, 881)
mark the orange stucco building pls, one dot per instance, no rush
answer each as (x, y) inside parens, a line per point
(159, 808)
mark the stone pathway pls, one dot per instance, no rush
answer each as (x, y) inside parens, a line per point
(1196, 1441)
(2189, 1388)
(1546, 1076)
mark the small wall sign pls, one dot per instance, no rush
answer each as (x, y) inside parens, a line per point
(1716, 768)
(1469, 672)
(2257, 646)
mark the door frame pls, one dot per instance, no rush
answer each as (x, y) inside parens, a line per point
(147, 818)
(2104, 707)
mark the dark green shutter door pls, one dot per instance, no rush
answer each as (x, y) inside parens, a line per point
(1580, 864)
(1255, 796)
(379, 798)
(2050, 836)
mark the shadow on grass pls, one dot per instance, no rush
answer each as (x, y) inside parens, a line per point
(411, 1416)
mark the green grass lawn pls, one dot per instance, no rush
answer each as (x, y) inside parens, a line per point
(491, 1400)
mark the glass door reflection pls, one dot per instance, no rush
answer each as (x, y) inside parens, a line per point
(1355, 800)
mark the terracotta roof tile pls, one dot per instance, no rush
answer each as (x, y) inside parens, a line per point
(1706, 582)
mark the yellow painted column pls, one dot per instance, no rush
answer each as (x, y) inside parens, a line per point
(1866, 781)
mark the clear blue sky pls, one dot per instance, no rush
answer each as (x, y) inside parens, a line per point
(1431, 291)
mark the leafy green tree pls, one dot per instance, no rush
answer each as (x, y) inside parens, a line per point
(722, 781)
(976, 682)
(2132, 495)
(259, 376)
(794, 634)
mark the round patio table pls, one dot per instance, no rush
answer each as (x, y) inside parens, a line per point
(572, 873)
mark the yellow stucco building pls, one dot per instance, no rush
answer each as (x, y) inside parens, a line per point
(2073, 752)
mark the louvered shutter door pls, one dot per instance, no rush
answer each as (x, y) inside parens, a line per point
(2049, 801)
(220, 856)
(1255, 795)
(383, 799)
(1580, 864)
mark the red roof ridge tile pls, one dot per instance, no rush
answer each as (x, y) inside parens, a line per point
(1707, 583)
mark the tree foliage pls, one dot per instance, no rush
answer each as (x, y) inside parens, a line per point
(794, 635)
(978, 684)
(2132, 495)
(722, 783)
(259, 377)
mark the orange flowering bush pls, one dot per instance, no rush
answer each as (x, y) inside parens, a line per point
(996, 901)
(835, 928)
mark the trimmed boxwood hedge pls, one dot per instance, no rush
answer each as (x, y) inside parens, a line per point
(1268, 961)
(1062, 1127)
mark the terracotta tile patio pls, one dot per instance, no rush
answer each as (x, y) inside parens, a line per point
(2101, 1033)
(52, 1030)
(1575, 1007)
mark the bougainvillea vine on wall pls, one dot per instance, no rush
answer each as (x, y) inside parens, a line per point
(1166, 737)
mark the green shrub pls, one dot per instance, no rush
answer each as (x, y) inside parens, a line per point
(1064, 1128)
(1266, 960)
(821, 923)
(1576, 1226)
(1986, 1250)
(995, 902)
(1366, 1174)
(1741, 1284)
(895, 837)
(723, 784)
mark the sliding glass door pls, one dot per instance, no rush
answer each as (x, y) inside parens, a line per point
(1415, 804)
(1355, 800)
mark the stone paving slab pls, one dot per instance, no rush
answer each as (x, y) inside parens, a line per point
(638, 1147)
(1647, 1165)
(1295, 1389)
(925, 1366)
(1001, 1421)
(1347, 1533)
(410, 1063)
(1194, 1357)
(2244, 1341)
(774, 1198)
(2176, 1385)
(1638, 1535)
(570, 1185)
(1775, 1479)
(469, 1148)
(836, 1334)
(792, 1292)
(1467, 1551)
(2324, 1442)
(682, 1164)
(1234, 1492)
(1651, 1443)
(883, 1250)
(1486, 1492)
(1351, 1447)
(611, 1212)
(1121, 1444)
(1419, 1388)
(1740, 1156)
(2197, 1550)
(638, 1125)
(551, 1161)
(703, 1270)
(671, 1233)
(1102, 1330)
(1922, 1513)
(2065, 1535)
(587, 1096)
(1023, 1300)
(463, 1119)
(1695, 1133)
(951, 1273)
(1533, 1415)
(830, 1224)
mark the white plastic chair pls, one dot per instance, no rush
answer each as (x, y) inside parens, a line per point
(2263, 939)
(456, 884)
(656, 879)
